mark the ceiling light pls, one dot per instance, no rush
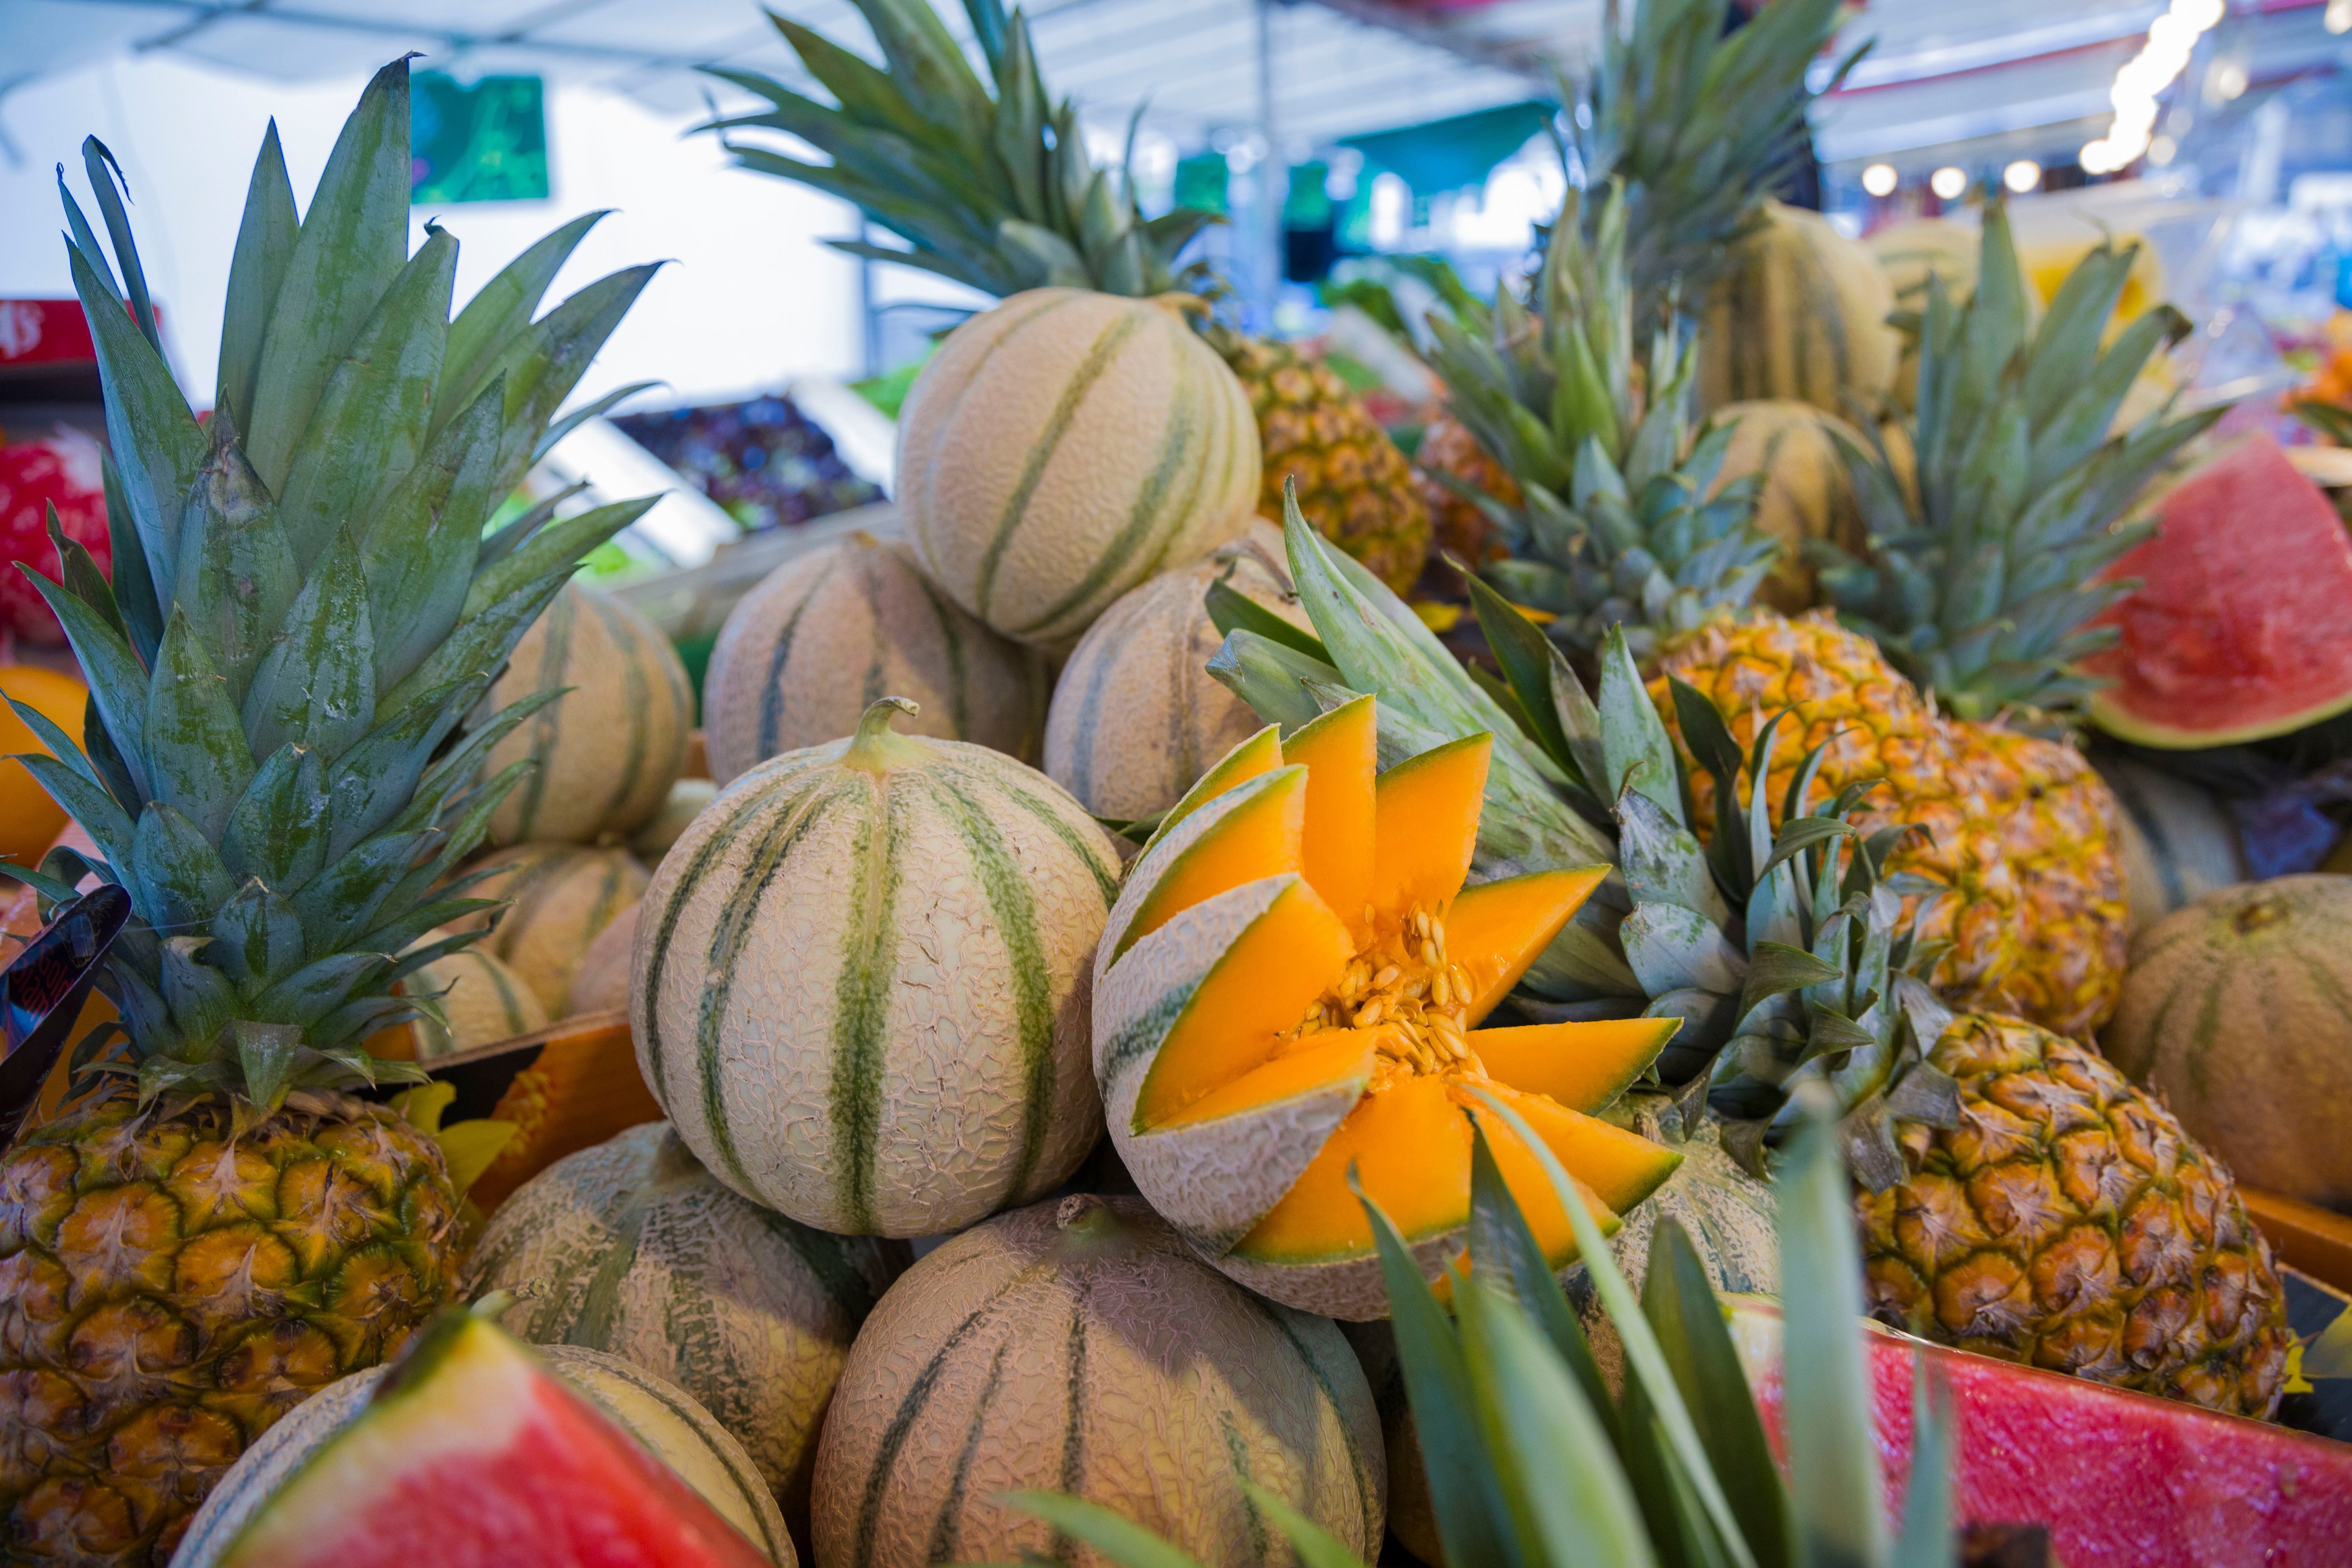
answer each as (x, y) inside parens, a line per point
(1880, 179)
(1948, 183)
(2022, 176)
(2228, 81)
(2337, 17)
(2162, 150)
(2171, 39)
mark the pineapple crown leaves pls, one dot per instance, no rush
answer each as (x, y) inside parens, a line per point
(304, 610)
(1698, 126)
(1533, 1460)
(1620, 520)
(992, 189)
(1980, 583)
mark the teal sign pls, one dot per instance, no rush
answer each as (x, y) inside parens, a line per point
(486, 141)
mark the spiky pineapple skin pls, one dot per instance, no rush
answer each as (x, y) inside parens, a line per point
(2019, 831)
(2069, 1222)
(168, 1290)
(1354, 485)
(1457, 526)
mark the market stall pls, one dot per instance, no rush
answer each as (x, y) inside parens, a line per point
(1516, 785)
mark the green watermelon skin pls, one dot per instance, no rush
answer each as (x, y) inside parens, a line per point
(2241, 625)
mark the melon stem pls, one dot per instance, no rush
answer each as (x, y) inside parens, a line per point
(876, 748)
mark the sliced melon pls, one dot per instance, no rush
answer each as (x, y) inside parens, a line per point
(471, 1454)
(1342, 755)
(1490, 927)
(1261, 753)
(1259, 832)
(1584, 1067)
(1257, 1043)
(1426, 824)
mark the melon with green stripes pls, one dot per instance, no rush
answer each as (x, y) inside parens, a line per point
(1136, 719)
(631, 1247)
(1799, 311)
(1066, 446)
(1079, 1346)
(611, 746)
(826, 634)
(561, 896)
(860, 981)
(661, 1417)
(482, 1001)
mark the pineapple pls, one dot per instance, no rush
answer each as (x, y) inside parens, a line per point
(1459, 526)
(1980, 581)
(301, 615)
(994, 189)
(2069, 1222)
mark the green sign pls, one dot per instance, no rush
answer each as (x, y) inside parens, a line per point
(483, 143)
(1200, 182)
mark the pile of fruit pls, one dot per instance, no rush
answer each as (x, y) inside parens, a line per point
(764, 462)
(1159, 1057)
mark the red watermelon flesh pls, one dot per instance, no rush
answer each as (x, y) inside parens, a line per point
(2242, 627)
(471, 1455)
(2121, 1481)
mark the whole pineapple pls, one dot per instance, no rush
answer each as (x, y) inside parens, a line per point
(1459, 526)
(2069, 1222)
(303, 611)
(1977, 592)
(989, 183)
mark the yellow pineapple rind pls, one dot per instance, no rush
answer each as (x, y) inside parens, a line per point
(168, 1290)
(2019, 830)
(2069, 1222)
(1354, 485)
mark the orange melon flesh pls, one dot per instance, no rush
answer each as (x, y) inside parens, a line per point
(1261, 753)
(1342, 753)
(1253, 994)
(1496, 930)
(1425, 814)
(1262, 837)
(1530, 1188)
(1583, 1066)
(1409, 1145)
(1336, 1056)
(1620, 1167)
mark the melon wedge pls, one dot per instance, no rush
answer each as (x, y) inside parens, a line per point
(2121, 1479)
(1261, 753)
(1340, 752)
(2241, 625)
(1296, 997)
(472, 1454)
(1256, 829)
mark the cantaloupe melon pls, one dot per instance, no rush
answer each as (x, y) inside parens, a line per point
(1799, 312)
(610, 747)
(1077, 1346)
(1063, 447)
(665, 1419)
(684, 802)
(482, 1001)
(602, 985)
(826, 634)
(2235, 1011)
(1136, 718)
(1282, 1009)
(1807, 494)
(860, 980)
(561, 896)
(631, 1247)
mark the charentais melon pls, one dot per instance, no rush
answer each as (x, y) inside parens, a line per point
(2241, 625)
(1287, 1003)
(2120, 1479)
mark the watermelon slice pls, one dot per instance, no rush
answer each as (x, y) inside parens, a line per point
(2241, 625)
(472, 1454)
(2121, 1481)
